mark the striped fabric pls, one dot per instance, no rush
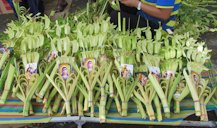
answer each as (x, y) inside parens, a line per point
(170, 23)
(5, 7)
(11, 112)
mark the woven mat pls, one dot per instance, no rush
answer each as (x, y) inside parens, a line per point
(11, 112)
(5, 7)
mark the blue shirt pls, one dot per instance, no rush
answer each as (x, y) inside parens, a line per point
(168, 24)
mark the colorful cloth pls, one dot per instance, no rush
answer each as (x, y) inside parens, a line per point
(5, 7)
(168, 24)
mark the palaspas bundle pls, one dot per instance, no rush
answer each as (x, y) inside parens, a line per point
(83, 64)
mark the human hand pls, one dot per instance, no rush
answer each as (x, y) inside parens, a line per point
(130, 3)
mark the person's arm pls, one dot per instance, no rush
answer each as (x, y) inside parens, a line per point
(161, 13)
